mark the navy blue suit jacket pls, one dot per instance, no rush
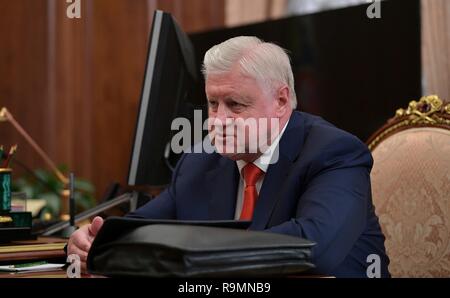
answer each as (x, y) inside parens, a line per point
(319, 190)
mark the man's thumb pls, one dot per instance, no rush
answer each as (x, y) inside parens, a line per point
(95, 225)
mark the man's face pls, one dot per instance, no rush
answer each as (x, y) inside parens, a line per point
(233, 97)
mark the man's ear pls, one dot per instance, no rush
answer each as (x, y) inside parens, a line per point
(283, 103)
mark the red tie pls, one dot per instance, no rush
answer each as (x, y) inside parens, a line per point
(251, 175)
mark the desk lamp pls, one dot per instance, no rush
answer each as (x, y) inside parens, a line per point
(6, 116)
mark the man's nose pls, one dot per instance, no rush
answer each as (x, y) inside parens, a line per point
(222, 113)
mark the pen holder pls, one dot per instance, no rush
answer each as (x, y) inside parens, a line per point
(5, 190)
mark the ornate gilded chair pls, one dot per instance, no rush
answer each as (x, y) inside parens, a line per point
(411, 188)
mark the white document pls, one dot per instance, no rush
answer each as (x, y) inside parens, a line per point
(31, 267)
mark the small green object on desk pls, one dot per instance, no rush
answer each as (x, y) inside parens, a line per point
(14, 225)
(21, 219)
(5, 190)
(28, 264)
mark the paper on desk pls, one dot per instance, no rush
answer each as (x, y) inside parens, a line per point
(43, 267)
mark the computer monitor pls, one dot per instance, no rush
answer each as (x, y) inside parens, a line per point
(169, 75)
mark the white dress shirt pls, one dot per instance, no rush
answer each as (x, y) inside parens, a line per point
(261, 163)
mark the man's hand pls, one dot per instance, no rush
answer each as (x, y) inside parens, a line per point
(81, 240)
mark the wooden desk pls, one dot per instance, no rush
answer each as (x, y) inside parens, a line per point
(47, 274)
(49, 249)
(43, 248)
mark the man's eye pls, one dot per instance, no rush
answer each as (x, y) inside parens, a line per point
(234, 104)
(212, 104)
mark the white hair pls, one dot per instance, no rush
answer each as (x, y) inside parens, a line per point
(266, 62)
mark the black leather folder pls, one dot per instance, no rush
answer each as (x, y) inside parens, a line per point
(163, 248)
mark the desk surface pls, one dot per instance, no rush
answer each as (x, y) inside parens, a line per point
(44, 248)
(47, 274)
(60, 273)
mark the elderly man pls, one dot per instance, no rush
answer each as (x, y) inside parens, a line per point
(316, 186)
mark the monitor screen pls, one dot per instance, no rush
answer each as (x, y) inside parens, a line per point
(169, 75)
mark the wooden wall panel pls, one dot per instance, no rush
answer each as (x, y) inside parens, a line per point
(244, 12)
(200, 15)
(250, 11)
(67, 101)
(75, 84)
(119, 46)
(23, 74)
(436, 47)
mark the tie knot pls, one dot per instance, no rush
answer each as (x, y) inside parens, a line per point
(251, 174)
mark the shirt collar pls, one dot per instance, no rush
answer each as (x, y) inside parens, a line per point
(261, 162)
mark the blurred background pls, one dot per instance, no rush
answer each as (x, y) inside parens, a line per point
(75, 84)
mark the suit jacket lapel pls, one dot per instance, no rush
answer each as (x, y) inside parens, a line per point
(222, 183)
(268, 195)
(289, 148)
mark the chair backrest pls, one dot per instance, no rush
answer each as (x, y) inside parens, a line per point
(411, 188)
